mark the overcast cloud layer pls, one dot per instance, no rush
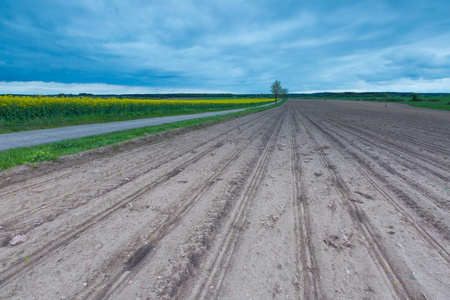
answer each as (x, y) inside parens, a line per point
(139, 46)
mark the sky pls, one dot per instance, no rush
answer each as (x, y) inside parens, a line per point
(229, 46)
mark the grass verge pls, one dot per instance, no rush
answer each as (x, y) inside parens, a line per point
(36, 154)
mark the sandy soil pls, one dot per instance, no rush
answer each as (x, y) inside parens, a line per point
(311, 200)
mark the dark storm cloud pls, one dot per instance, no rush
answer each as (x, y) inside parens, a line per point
(236, 46)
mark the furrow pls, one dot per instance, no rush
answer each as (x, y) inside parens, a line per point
(308, 281)
(230, 234)
(377, 254)
(139, 259)
(442, 249)
(114, 180)
(365, 134)
(381, 144)
(337, 138)
(93, 221)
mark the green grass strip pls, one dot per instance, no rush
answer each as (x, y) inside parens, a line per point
(432, 105)
(36, 154)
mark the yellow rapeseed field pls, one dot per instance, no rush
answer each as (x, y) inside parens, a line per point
(17, 108)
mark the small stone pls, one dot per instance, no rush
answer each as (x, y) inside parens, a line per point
(63, 297)
(211, 288)
(18, 239)
(413, 277)
(85, 283)
(130, 282)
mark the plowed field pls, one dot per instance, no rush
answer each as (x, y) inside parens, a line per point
(310, 200)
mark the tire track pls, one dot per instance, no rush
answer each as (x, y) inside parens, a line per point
(129, 153)
(333, 135)
(389, 145)
(442, 250)
(377, 252)
(407, 135)
(307, 277)
(114, 181)
(400, 151)
(229, 238)
(95, 220)
(141, 256)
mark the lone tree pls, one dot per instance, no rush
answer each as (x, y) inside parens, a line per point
(276, 89)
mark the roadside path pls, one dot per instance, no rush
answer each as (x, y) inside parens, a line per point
(45, 136)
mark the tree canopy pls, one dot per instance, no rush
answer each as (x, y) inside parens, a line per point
(278, 91)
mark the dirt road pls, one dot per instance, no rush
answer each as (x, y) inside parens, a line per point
(311, 200)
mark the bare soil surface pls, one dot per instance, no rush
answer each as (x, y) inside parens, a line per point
(310, 200)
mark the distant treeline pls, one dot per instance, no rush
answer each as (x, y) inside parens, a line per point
(392, 95)
(331, 95)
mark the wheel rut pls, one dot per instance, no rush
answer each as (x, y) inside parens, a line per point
(353, 210)
(157, 235)
(309, 278)
(443, 229)
(104, 215)
(233, 228)
(113, 181)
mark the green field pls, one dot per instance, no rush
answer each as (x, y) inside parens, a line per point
(429, 100)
